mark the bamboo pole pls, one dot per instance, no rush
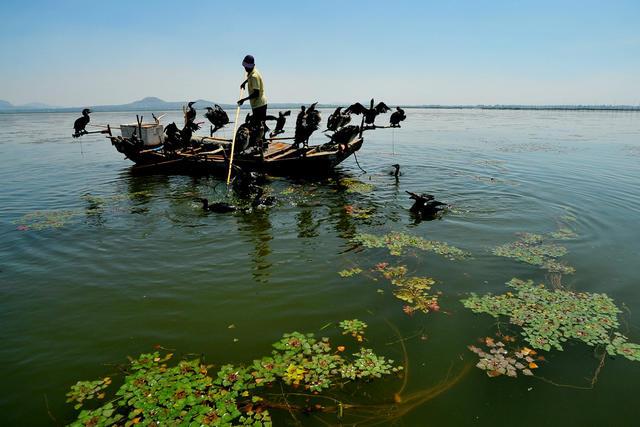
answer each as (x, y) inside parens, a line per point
(233, 138)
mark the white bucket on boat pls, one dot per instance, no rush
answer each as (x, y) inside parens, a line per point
(151, 132)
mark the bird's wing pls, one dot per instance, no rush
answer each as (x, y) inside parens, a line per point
(382, 108)
(271, 118)
(287, 113)
(356, 108)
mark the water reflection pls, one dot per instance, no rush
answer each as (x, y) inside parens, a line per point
(256, 227)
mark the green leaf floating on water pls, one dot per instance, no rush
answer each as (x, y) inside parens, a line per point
(43, 220)
(396, 242)
(549, 318)
(350, 272)
(189, 392)
(531, 249)
(412, 290)
(353, 185)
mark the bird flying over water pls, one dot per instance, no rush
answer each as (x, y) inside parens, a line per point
(81, 123)
(397, 117)
(217, 116)
(369, 113)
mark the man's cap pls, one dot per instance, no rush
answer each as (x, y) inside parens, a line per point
(248, 61)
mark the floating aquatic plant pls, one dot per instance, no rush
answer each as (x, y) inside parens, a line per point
(190, 393)
(549, 318)
(357, 212)
(396, 243)
(532, 249)
(43, 220)
(353, 185)
(412, 290)
(350, 272)
(354, 327)
(87, 390)
(496, 359)
(563, 233)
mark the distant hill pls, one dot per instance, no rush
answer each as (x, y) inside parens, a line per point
(152, 103)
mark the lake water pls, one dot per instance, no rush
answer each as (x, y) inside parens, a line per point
(133, 261)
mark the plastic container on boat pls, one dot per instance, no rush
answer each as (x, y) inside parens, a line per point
(151, 132)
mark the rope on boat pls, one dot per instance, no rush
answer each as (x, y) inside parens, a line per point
(233, 138)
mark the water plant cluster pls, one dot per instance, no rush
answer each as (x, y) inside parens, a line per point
(396, 243)
(549, 318)
(350, 272)
(497, 359)
(353, 185)
(533, 249)
(155, 392)
(44, 220)
(412, 290)
(354, 327)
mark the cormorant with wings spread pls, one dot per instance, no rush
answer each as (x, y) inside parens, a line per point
(369, 113)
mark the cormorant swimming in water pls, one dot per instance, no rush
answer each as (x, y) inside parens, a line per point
(397, 117)
(260, 201)
(425, 205)
(396, 172)
(369, 113)
(218, 207)
(81, 123)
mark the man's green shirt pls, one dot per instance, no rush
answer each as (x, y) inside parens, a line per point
(254, 81)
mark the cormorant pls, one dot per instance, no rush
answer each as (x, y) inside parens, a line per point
(190, 114)
(342, 137)
(260, 201)
(425, 205)
(337, 120)
(369, 113)
(397, 117)
(307, 122)
(396, 172)
(280, 121)
(218, 207)
(81, 123)
(217, 116)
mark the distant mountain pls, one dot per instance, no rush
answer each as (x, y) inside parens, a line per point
(154, 104)
(7, 106)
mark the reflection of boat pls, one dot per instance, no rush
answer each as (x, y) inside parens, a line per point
(209, 155)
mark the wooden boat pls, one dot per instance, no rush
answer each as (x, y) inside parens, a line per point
(211, 157)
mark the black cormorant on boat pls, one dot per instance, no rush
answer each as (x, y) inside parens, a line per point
(280, 122)
(189, 117)
(397, 117)
(217, 116)
(369, 113)
(307, 122)
(217, 207)
(337, 119)
(342, 137)
(81, 123)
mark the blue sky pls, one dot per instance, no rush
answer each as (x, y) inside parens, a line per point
(74, 53)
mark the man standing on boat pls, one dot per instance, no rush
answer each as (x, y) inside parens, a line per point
(256, 91)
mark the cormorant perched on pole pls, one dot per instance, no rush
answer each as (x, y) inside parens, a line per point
(369, 113)
(189, 117)
(217, 116)
(337, 120)
(280, 121)
(397, 117)
(81, 123)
